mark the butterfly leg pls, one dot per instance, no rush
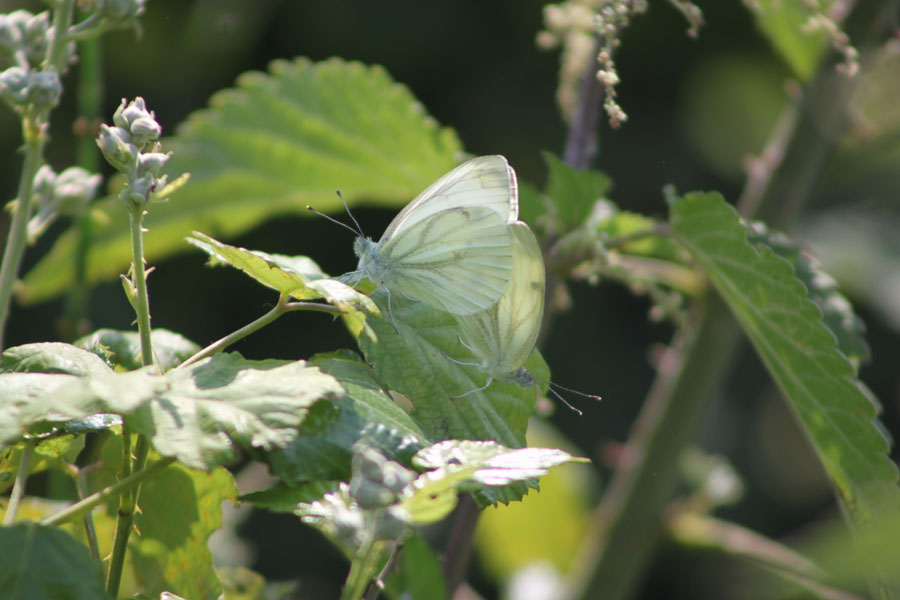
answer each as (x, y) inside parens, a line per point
(484, 387)
(391, 312)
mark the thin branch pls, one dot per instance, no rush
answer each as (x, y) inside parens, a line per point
(459, 546)
(581, 143)
(18, 491)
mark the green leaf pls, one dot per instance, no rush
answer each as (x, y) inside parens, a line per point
(835, 409)
(180, 509)
(782, 22)
(241, 583)
(277, 142)
(51, 357)
(324, 445)
(837, 311)
(45, 563)
(48, 454)
(298, 276)
(284, 498)
(418, 575)
(573, 193)
(123, 348)
(197, 415)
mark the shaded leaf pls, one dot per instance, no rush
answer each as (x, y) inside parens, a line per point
(284, 498)
(277, 142)
(180, 509)
(298, 276)
(572, 193)
(837, 311)
(836, 411)
(419, 575)
(123, 348)
(324, 445)
(45, 563)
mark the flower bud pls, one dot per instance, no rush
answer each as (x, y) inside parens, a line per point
(152, 162)
(145, 129)
(35, 38)
(44, 89)
(115, 144)
(14, 85)
(74, 188)
(126, 114)
(45, 181)
(391, 523)
(10, 34)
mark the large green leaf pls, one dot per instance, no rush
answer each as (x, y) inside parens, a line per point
(573, 193)
(835, 409)
(198, 414)
(180, 509)
(277, 142)
(45, 563)
(51, 357)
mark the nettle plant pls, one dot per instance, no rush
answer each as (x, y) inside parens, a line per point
(370, 443)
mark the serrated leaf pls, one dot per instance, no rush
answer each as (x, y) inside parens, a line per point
(837, 311)
(836, 411)
(572, 193)
(297, 276)
(277, 142)
(180, 509)
(198, 415)
(50, 357)
(123, 348)
(45, 563)
(324, 445)
(782, 22)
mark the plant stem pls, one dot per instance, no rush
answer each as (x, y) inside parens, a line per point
(34, 134)
(18, 491)
(125, 518)
(628, 526)
(459, 546)
(99, 497)
(279, 309)
(139, 280)
(581, 144)
(361, 570)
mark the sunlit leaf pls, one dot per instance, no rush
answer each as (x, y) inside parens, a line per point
(298, 276)
(782, 22)
(275, 143)
(836, 411)
(50, 357)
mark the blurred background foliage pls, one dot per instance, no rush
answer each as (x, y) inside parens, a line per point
(697, 108)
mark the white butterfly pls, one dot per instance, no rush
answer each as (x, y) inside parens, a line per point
(450, 247)
(503, 336)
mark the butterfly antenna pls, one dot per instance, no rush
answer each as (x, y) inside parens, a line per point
(582, 394)
(347, 208)
(332, 219)
(566, 402)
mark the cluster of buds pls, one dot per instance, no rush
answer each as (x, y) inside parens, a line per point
(24, 38)
(132, 147)
(66, 193)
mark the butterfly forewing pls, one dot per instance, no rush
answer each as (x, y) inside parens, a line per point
(486, 182)
(459, 260)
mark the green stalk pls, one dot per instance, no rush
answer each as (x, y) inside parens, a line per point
(97, 498)
(361, 570)
(18, 491)
(139, 279)
(34, 134)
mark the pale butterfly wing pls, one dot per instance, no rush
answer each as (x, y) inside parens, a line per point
(503, 336)
(485, 181)
(450, 247)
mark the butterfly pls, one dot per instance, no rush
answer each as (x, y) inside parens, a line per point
(503, 336)
(450, 247)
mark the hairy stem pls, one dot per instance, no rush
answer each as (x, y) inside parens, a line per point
(34, 134)
(18, 491)
(88, 503)
(139, 280)
(282, 307)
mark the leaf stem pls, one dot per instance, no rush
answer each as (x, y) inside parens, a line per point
(283, 306)
(459, 546)
(99, 497)
(18, 491)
